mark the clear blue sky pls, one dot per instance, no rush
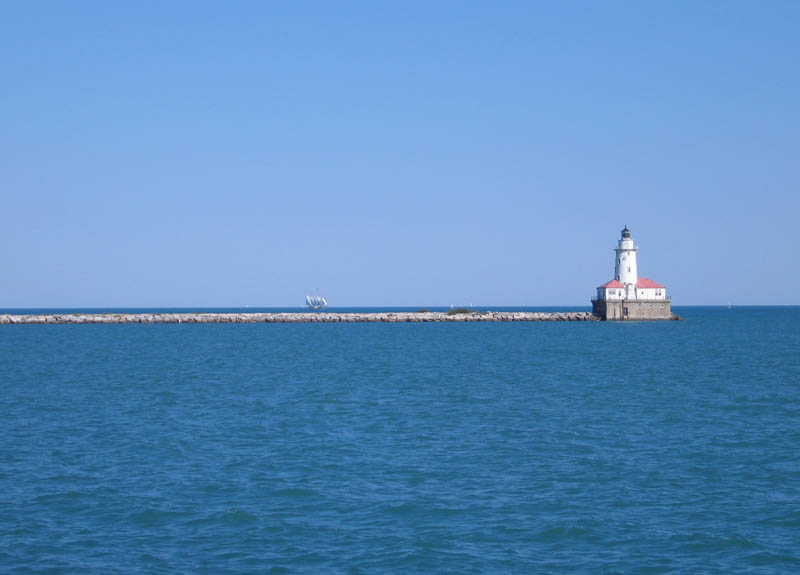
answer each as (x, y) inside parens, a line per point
(396, 153)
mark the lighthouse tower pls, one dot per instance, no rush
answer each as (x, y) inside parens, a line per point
(625, 270)
(628, 296)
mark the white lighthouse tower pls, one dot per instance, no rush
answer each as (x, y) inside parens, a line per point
(625, 268)
(628, 296)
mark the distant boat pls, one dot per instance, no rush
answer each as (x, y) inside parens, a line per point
(316, 302)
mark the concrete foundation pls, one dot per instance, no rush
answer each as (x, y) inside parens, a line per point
(632, 309)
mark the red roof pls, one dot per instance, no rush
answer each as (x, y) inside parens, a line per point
(646, 283)
(612, 284)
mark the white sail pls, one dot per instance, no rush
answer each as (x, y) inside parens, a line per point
(316, 302)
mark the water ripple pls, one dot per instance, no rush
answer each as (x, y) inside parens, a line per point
(511, 448)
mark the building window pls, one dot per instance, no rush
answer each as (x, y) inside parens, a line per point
(629, 269)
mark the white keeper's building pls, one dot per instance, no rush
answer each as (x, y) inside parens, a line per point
(628, 296)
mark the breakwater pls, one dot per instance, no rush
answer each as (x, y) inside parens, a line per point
(301, 317)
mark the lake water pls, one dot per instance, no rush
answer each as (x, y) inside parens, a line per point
(664, 447)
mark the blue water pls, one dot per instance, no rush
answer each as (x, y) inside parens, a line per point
(663, 447)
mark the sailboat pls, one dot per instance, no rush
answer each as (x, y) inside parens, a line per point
(316, 302)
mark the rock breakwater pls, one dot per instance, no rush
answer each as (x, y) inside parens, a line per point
(303, 317)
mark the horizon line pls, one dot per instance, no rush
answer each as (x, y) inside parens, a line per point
(384, 306)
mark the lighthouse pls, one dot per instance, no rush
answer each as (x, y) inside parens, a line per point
(628, 296)
(625, 270)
